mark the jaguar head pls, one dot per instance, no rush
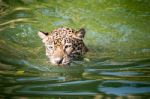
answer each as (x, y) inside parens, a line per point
(62, 48)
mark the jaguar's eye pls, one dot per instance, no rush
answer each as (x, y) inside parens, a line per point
(67, 46)
(50, 47)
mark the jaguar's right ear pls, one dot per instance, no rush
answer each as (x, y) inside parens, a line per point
(43, 36)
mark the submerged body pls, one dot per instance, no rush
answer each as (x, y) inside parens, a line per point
(63, 45)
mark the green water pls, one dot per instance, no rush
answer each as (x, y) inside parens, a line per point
(117, 65)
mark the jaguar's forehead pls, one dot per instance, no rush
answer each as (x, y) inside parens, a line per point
(61, 36)
(60, 41)
(57, 42)
(63, 32)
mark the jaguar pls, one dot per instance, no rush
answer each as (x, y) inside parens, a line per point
(63, 44)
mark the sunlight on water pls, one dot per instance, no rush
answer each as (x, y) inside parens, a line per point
(116, 66)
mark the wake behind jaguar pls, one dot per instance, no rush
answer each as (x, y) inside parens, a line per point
(63, 45)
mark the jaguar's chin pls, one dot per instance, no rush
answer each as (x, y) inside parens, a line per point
(60, 63)
(66, 63)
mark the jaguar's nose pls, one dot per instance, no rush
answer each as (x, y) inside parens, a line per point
(58, 60)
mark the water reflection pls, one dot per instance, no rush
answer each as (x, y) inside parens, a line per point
(124, 88)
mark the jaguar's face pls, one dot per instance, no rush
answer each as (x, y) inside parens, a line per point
(62, 49)
(59, 51)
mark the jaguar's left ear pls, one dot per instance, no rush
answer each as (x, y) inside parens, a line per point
(80, 33)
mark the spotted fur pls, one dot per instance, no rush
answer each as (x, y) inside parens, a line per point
(63, 45)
